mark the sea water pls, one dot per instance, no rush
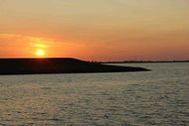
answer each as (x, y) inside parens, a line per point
(159, 97)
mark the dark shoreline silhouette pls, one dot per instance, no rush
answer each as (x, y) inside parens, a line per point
(58, 65)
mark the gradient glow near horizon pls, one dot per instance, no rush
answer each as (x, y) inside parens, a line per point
(95, 29)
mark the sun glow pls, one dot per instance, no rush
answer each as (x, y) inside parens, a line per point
(40, 53)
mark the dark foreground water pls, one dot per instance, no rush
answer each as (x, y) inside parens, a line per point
(156, 98)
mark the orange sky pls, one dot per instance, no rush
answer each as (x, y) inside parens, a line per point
(95, 29)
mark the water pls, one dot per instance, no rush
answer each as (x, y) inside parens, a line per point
(159, 98)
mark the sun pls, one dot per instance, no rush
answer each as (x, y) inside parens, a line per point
(40, 52)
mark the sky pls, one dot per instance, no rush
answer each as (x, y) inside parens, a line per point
(100, 30)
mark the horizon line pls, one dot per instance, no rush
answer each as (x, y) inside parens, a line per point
(106, 61)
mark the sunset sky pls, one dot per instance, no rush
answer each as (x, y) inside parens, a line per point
(95, 29)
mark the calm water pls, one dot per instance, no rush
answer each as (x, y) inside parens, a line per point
(158, 98)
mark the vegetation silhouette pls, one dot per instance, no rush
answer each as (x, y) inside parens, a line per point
(58, 65)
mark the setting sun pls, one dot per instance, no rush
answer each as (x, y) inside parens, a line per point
(40, 53)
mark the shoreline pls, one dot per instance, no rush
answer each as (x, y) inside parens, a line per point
(58, 66)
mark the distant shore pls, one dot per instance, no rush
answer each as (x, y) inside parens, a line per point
(58, 65)
(176, 61)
